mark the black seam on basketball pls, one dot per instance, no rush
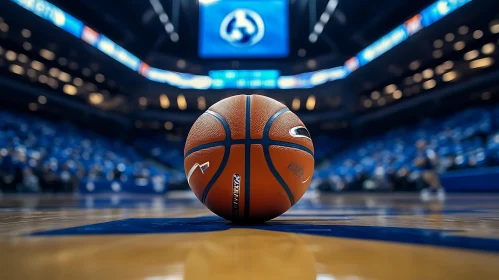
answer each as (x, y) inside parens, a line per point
(224, 159)
(252, 142)
(247, 158)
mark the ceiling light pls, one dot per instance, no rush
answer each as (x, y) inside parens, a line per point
(428, 73)
(311, 64)
(415, 65)
(100, 78)
(429, 84)
(449, 37)
(143, 101)
(310, 105)
(174, 37)
(27, 46)
(48, 55)
(471, 55)
(295, 105)
(64, 77)
(437, 54)
(417, 77)
(368, 103)
(494, 26)
(22, 58)
(78, 82)
(463, 30)
(69, 89)
(16, 69)
(438, 44)
(26, 33)
(381, 101)
(37, 65)
(488, 48)
(482, 63)
(390, 88)
(54, 72)
(96, 98)
(42, 99)
(201, 103)
(375, 95)
(168, 125)
(4, 27)
(181, 102)
(459, 45)
(43, 79)
(478, 34)
(313, 38)
(448, 77)
(397, 94)
(164, 102)
(33, 106)
(448, 64)
(10, 55)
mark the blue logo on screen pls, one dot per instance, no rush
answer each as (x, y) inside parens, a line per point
(242, 28)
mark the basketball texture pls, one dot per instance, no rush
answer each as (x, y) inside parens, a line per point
(248, 158)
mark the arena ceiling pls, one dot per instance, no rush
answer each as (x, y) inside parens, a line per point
(137, 27)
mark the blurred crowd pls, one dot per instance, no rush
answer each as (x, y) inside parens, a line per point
(49, 156)
(392, 161)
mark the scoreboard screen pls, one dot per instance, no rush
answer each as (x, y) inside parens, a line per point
(243, 28)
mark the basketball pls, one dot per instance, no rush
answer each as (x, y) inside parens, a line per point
(248, 158)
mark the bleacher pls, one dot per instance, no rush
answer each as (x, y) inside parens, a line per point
(468, 139)
(40, 155)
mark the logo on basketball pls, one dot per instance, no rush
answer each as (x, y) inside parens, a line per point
(236, 184)
(242, 28)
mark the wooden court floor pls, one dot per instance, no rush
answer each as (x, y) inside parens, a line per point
(326, 237)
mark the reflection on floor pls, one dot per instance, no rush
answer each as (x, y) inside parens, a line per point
(327, 237)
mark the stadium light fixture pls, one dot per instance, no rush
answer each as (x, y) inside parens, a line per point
(33, 106)
(397, 94)
(27, 46)
(26, 33)
(164, 102)
(96, 98)
(181, 102)
(478, 34)
(463, 30)
(471, 55)
(22, 58)
(16, 69)
(482, 63)
(68, 89)
(429, 84)
(323, 20)
(165, 19)
(368, 103)
(310, 103)
(448, 77)
(37, 65)
(42, 99)
(488, 48)
(201, 103)
(48, 55)
(295, 105)
(494, 26)
(10, 55)
(458, 46)
(168, 125)
(417, 77)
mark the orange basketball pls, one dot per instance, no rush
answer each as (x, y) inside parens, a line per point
(248, 158)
